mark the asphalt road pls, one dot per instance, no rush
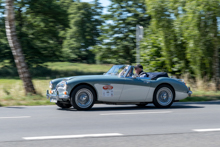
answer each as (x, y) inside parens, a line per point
(184, 124)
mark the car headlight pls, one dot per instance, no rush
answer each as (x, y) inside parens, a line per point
(62, 84)
(51, 85)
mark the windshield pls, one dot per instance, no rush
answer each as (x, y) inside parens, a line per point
(118, 70)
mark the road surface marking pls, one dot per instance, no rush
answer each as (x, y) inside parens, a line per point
(15, 117)
(206, 130)
(136, 113)
(72, 136)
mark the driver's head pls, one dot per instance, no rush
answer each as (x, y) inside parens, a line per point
(138, 68)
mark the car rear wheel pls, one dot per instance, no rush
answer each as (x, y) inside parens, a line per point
(63, 105)
(163, 96)
(83, 97)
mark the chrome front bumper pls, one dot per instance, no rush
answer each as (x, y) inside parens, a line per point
(55, 96)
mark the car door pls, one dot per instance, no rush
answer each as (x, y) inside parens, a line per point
(109, 90)
(135, 89)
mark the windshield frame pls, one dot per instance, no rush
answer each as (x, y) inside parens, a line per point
(109, 73)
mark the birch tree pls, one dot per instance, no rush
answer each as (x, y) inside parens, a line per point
(16, 48)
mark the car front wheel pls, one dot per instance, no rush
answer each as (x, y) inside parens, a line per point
(83, 97)
(163, 96)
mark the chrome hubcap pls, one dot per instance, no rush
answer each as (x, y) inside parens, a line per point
(84, 98)
(164, 96)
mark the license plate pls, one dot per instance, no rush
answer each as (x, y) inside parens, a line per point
(53, 100)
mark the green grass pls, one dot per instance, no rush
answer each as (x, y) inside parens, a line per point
(198, 96)
(12, 93)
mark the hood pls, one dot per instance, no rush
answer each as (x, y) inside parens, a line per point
(90, 77)
(84, 77)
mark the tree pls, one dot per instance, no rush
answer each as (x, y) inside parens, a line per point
(16, 48)
(189, 35)
(118, 33)
(170, 35)
(41, 24)
(5, 52)
(83, 31)
(151, 52)
(39, 27)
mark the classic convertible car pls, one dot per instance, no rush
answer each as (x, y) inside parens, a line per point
(118, 86)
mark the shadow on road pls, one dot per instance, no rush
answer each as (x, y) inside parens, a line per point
(133, 107)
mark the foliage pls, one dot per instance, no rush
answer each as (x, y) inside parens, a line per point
(181, 36)
(42, 43)
(151, 52)
(38, 27)
(187, 33)
(83, 32)
(118, 32)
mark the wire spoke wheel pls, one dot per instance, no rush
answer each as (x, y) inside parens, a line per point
(163, 96)
(83, 97)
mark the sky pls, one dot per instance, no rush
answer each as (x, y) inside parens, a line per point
(104, 3)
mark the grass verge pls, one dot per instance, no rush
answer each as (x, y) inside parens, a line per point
(12, 93)
(25, 101)
(199, 96)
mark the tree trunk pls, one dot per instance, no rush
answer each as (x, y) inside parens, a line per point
(16, 49)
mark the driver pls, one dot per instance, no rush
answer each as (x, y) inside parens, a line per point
(139, 71)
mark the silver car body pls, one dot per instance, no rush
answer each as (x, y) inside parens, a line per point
(111, 88)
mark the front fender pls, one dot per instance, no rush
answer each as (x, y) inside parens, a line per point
(72, 84)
